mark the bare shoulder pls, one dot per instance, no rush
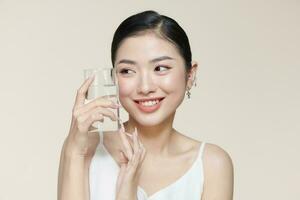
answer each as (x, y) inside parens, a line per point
(218, 173)
(216, 157)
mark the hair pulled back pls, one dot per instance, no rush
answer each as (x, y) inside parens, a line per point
(164, 26)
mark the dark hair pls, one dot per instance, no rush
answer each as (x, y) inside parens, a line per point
(150, 20)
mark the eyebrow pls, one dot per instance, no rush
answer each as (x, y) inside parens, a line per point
(126, 61)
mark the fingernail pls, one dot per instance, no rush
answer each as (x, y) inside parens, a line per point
(130, 135)
(115, 103)
(135, 131)
(115, 106)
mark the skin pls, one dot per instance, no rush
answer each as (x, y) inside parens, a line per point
(146, 79)
(130, 163)
(140, 77)
(80, 145)
(156, 144)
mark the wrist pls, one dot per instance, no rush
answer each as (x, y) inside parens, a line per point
(72, 152)
(126, 198)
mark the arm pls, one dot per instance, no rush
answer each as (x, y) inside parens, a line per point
(73, 177)
(218, 174)
(81, 143)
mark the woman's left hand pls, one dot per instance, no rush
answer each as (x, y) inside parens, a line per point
(132, 157)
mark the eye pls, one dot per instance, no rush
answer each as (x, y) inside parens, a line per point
(126, 71)
(161, 68)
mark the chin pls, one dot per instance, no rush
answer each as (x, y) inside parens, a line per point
(148, 122)
(153, 119)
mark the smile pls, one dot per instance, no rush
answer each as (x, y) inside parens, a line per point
(149, 105)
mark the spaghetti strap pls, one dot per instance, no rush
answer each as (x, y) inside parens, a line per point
(201, 149)
(100, 134)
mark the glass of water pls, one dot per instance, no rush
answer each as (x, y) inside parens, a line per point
(105, 85)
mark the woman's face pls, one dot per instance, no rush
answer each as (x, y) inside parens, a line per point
(152, 78)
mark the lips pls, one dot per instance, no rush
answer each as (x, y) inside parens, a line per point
(149, 99)
(149, 105)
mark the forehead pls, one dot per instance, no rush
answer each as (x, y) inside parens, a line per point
(145, 47)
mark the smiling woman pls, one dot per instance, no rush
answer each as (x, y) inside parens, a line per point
(155, 65)
(154, 69)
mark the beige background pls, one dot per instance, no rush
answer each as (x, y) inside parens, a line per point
(247, 99)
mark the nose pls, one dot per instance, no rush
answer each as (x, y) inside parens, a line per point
(146, 84)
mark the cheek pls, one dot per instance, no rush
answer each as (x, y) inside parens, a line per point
(126, 87)
(173, 83)
(170, 83)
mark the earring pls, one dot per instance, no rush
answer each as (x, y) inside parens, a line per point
(195, 80)
(188, 93)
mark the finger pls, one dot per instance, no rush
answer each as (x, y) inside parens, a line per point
(94, 118)
(130, 136)
(142, 158)
(127, 146)
(123, 158)
(134, 162)
(121, 172)
(136, 145)
(137, 151)
(81, 92)
(98, 111)
(135, 148)
(143, 154)
(139, 141)
(143, 149)
(99, 102)
(85, 125)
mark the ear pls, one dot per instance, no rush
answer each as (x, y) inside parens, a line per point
(191, 76)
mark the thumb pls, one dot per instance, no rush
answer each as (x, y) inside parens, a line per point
(123, 158)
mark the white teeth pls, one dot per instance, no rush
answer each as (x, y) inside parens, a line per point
(149, 103)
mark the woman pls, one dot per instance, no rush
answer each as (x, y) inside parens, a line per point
(148, 158)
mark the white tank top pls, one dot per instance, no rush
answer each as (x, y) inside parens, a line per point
(104, 172)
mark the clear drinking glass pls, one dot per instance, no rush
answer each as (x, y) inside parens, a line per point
(104, 84)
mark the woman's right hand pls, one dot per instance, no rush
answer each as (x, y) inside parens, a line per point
(80, 141)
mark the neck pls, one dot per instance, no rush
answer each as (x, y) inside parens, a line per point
(156, 139)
